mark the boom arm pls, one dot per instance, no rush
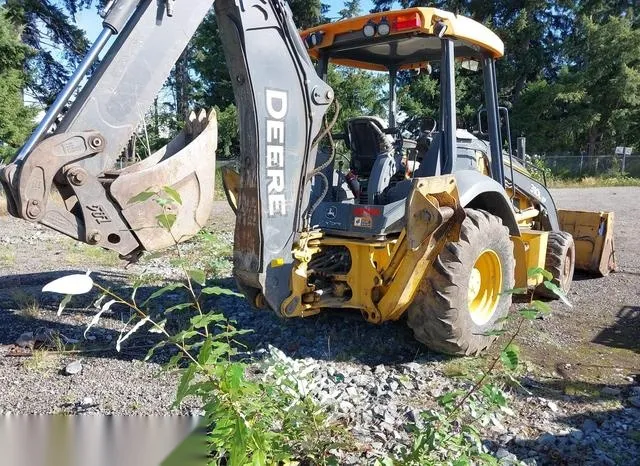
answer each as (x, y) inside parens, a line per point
(281, 102)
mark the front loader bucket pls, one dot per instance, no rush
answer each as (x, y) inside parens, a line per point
(187, 165)
(593, 236)
(231, 185)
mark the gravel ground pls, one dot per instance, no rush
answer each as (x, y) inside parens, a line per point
(580, 401)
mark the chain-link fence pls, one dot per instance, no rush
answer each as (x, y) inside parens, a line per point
(571, 166)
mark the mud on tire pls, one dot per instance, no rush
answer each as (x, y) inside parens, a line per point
(440, 313)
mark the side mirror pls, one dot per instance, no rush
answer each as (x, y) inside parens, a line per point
(470, 64)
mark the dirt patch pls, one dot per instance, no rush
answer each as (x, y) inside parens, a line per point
(597, 340)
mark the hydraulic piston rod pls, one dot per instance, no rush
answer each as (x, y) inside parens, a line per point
(117, 15)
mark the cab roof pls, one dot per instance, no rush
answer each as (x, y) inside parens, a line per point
(412, 40)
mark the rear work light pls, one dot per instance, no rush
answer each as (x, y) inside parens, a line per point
(383, 27)
(314, 39)
(369, 29)
(405, 22)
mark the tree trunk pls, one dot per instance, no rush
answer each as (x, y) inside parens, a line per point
(182, 85)
(593, 160)
(592, 141)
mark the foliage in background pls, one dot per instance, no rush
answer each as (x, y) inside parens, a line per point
(15, 117)
(359, 93)
(419, 99)
(570, 74)
(592, 182)
(595, 100)
(49, 28)
(351, 8)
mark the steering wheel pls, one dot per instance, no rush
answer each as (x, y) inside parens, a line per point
(433, 126)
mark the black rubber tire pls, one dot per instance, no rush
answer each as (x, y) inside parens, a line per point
(439, 315)
(560, 261)
(250, 293)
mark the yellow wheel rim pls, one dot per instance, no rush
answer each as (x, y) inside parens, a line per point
(485, 286)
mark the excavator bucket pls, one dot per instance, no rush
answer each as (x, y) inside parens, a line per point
(593, 236)
(187, 165)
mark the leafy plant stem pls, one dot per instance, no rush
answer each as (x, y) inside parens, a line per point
(144, 315)
(485, 373)
(196, 298)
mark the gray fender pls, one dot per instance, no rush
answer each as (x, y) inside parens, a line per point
(478, 191)
(538, 194)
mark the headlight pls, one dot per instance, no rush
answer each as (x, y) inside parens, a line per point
(369, 29)
(384, 28)
(314, 39)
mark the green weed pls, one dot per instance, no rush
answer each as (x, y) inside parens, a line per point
(80, 254)
(593, 182)
(40, 360)
(7, 257)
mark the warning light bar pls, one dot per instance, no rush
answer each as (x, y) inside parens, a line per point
(406, 22)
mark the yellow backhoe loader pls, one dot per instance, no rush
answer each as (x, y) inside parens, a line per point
(436, 227)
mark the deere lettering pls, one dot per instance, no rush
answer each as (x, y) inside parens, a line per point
(276, 112)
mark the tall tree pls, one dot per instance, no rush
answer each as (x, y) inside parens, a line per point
(419, 99)
(600, 10)
(49, 28)
(181, 83)
(211, 86)
(533, 32)
(307, 13)
(351, 8)
(595, 102)
(15, 118)
(359, 92)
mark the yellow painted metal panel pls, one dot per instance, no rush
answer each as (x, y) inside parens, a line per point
(536, 250)
(384, 275)
(520, 255)
(434, 216)
(231, 185)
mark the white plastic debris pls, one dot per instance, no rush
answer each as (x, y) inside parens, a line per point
(70, 285)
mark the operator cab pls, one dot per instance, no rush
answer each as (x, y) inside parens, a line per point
(367, 197)
(373, 147)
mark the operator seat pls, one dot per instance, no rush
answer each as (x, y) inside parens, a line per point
(367, 140)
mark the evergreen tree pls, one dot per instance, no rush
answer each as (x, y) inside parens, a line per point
(213, 87)
(15, 118)
(212, 84)
(49, 28)
(359, 92)
(351, 8)
(594, 104)
(307, 13)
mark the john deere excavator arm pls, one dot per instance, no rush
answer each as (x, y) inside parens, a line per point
(281, 103)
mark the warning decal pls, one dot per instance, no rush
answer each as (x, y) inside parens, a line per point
(362, 222)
